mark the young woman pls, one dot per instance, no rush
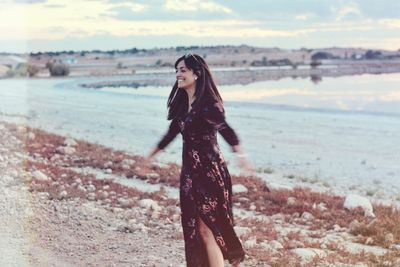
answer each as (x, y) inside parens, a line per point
(196, 111)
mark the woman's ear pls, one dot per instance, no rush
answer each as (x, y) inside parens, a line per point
(197, 73)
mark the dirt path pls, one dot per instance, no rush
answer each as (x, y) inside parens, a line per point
(15, 204)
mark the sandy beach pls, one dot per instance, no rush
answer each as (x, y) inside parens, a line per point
(88, 204)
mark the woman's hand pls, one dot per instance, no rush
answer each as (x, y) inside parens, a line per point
(147, 160)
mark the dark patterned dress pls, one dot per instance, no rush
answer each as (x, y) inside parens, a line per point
(205, 183)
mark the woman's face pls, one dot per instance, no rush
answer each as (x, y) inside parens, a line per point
(185, 77)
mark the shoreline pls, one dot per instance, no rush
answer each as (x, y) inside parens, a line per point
(245, 76)
(225, 75)
(61, 195)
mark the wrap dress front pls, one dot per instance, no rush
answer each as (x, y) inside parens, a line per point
(205, 183)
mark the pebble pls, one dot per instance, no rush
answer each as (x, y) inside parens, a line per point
(291, 201)
(128, 162)
(108, 164)
(91, 188)
(389, 238)
(65, 150)
(40, 176)
(91, 196)
(307, 216)
(149, 204)
(125, 202)
(31, 136)
(104, 195)
(43, 195)
(239, 188)
(240, 231)
(62, 195)
(276, 245)
(70, 142)
(251, 243)
(152, 175)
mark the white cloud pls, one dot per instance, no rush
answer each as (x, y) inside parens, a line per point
(195, 5)
(135, 7)
(390, 23)
(347, 10)
(301, 17)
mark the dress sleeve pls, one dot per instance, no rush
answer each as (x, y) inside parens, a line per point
(215, 115)
(172, 132)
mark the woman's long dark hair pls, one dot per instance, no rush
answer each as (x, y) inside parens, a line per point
(205, 87)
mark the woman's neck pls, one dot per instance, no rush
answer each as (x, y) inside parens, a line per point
(191, 97)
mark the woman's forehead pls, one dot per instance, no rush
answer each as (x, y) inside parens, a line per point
(181, 64)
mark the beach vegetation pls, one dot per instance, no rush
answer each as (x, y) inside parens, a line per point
(57, 69)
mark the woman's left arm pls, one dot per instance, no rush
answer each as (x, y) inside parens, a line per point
(216, 117)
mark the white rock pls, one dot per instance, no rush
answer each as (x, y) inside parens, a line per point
(149, 204)
(240, 231)
(155, 215)
(91, 188)
(353, 201)
(389, 238)
(291, 201)
(43, 195)
(126, 166)
(128, 162)
(108, 164)
(359, 248)
(307, 216)
(251, 243)
(91, 196)
(321, 207)
(38, 175)
(104, 195)
(276, 245)
(70, 142)
(336, 228)
(65, 150)
(152, 175)
(31, 136)
(124, 202)
(307, 254)
(239, 188)
(63, 194)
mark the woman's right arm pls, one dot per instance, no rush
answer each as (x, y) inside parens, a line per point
(172, 132)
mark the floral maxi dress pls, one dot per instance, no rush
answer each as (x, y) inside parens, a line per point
(205, 183)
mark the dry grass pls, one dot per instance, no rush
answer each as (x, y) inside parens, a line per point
(383, 231)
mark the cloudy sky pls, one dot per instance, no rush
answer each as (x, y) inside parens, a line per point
(51, 25)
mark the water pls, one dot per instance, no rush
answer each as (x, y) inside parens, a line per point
(342, 133)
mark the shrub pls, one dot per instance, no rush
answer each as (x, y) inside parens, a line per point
(32, 70)
(57, 69)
